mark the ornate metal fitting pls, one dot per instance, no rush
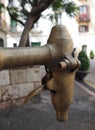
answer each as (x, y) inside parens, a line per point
(57, 53)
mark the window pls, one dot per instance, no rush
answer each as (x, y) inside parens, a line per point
(83, 9)
(83, 28)
(84, 13)
(13, 25)
(11, 2)
(1, 42)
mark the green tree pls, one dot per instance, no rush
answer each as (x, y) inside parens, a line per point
(85, 63)
(60, 6)
(29, 12)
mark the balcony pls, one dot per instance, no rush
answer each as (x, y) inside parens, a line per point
(84, 18)
(84, 14)
(83, 0)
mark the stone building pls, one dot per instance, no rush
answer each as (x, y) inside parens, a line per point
(3, 26)
(86, 24)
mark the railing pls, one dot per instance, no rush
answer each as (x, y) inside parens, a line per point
(84, 18)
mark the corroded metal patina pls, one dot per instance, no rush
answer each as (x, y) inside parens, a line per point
(60, 60)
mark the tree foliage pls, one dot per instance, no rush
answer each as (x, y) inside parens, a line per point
(60, 6)
(85, 63)
(28, 12)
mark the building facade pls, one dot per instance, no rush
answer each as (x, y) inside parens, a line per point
(3, 26)
(86, 24)
(81, 28)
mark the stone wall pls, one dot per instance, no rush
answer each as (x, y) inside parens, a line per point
(15, 84)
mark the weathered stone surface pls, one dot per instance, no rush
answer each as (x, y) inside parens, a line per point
(9, 92)
(17, 83)
(43, 71)
(4, 104)
(37, 84)
(33, 74)
(18, 76)
(4, 78)
(0, 93)
(25, 88)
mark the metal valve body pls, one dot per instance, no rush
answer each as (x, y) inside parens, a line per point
(60, 60)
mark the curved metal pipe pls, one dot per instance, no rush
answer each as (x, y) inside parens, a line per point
(16, 57)
(59, 58)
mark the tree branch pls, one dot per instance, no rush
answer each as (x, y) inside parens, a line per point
(31, 3)
(33, 17)
(16, 19)
(41, 6)
(23, 8)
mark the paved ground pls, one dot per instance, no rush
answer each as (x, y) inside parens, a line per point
(91, 76)
(40, 115)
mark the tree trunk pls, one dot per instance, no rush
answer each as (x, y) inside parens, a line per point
(28, 26)
(25, 34)
(28, 42)
(33, 18)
